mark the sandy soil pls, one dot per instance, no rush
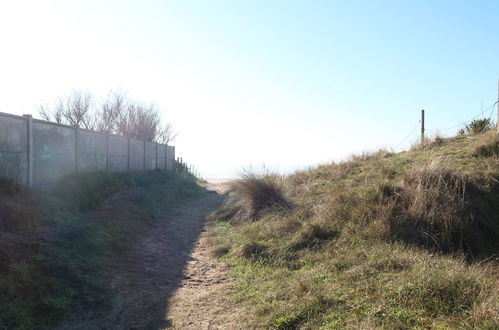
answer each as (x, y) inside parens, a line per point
(169, 279)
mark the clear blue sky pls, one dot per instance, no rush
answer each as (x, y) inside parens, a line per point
(282, 83)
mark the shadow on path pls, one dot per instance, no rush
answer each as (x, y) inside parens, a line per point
(143, 281)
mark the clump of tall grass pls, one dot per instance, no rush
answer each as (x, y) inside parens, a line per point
(487, 146)
(434, 208)
(430, 142)
(311, 236)
(252, 196)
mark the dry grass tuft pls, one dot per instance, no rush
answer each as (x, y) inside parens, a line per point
(488, 145)
(262, 192)
(311, 236)
(434, 209)
(367, 156)
(433, 141)
(252, 250)
(253, 196)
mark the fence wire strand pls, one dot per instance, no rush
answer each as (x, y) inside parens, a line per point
(491, 108)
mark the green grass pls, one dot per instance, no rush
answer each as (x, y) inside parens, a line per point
(383, 240)
(56, 247)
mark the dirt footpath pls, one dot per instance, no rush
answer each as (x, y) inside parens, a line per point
(169, 279)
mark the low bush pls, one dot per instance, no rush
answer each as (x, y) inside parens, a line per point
(479, 126)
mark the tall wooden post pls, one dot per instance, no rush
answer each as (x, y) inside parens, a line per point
(422, 126)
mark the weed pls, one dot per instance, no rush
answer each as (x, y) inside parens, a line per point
(479, 126)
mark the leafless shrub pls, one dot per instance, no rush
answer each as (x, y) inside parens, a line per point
(117, 114)
(75, 110)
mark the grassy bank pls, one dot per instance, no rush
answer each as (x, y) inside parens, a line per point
(56, 248)
(406, 240)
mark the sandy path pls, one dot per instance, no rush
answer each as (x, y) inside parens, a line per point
(203, 298)
(169, 279)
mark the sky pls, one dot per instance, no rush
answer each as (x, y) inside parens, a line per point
(281, 84)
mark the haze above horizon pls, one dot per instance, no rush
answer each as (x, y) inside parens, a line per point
(288, 84)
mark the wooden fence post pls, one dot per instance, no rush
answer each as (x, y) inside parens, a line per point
(422, 126)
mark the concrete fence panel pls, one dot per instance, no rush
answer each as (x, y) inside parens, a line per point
(150, 156)
(117, 153)
(53, 152)
(161, 156)
(40, 153)
(136, 155)
(14, 148)
(91, 151)
(170, 158)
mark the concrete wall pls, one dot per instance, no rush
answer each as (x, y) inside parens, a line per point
(136, 155)
(13, 148)
(91, 151)
(161, 156)
(118, 154)
(170, 158)
(53, 152)
(40, 153)
(150, 156)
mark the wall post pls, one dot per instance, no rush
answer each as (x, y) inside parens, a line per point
(29, 131)
(144, 167)
(173, 157)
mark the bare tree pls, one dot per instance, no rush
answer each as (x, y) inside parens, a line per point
(75, 110)
(111, 109)
(117, 114)
(166, 134)
(56, 114)
(139, 121)
(78, 111)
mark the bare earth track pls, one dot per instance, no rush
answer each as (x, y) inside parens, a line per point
(169, 279)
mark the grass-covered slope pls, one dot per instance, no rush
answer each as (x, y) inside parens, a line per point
(56, 248)
(406, 240)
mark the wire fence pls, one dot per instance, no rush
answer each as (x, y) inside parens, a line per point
(489, 111)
